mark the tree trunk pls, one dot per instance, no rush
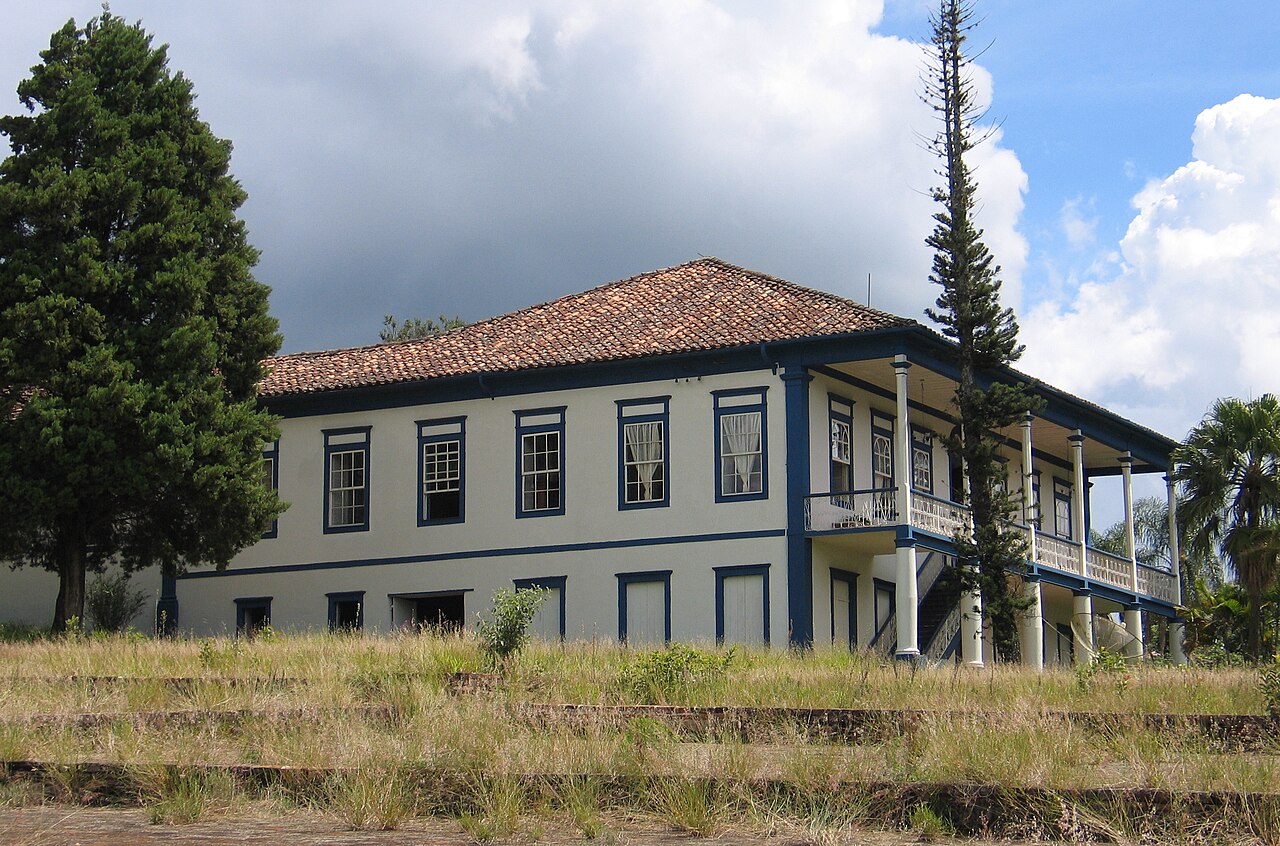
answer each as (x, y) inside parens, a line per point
(71, 567)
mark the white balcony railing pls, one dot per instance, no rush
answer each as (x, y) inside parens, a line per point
(853, 510)
(939, 516)
(1112, 569)
(1058, 553)
(1157, 583)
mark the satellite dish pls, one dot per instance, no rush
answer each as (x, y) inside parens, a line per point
(1107, 634)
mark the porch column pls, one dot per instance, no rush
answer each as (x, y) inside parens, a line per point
(907, 600)
(1032, 625)
(1082, 626)
(902, 450)
(1077, 497)
(1130, 542)
(1029, 506)
(167, 605)
(799, 547)
(1133, 625)
(1176, 632)
(971, 629)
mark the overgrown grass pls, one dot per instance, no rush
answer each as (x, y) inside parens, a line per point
(480, 759)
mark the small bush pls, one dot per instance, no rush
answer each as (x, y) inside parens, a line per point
(666, 675)
(109, 603)
(506, 632)
(1215, 656)
(21, 633)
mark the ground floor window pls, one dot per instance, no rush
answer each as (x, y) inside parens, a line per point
(886, 599)
(548, 623)
(844, 608)
(434, 611)
(346, 611)
(644, 608)
(742, 604)
(253, 614)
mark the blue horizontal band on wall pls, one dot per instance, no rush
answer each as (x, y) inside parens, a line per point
(488, 553)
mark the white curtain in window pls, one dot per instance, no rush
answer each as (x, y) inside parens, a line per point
(742, 436)
(644, 440)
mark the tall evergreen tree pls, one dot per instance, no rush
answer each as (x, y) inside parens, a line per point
(131, 326)
(986, 334)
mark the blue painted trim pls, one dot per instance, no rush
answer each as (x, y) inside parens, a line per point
(524, 430)
(719, 412)
(547, 583)
(1062, 493)
(663, 417)
(851, 579)
(489, 553)
(1085, 501)
(423, 439)
(723, 573)
(646, 576)
(883, 425)
(356, 596)
(272, 453)
(249, 603)
(799, 547)
(167, 606)
(329, 451)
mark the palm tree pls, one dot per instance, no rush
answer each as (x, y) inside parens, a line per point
(1229, 470)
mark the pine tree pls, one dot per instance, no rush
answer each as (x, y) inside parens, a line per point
(986, 334)
(131, 326)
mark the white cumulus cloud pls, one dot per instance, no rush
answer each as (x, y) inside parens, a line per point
(1191, 311)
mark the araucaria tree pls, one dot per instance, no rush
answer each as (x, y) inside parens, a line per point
(1229, 473)
(986, 334)
(131, 326)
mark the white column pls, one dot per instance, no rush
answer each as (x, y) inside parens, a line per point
(1033, 626)
(971, 628)
(1176, 649)
(1077, 497)
(1130, 543)
(902, 452)
(1082, 627)
(1133, 624)
(907, 600)
(1030, 507)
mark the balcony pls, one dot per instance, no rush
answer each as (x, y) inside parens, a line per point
(878, 509)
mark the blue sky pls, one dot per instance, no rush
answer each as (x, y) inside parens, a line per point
(474, 158)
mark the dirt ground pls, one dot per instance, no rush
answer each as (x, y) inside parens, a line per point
(70, 825)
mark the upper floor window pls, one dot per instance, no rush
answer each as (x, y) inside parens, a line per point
(1062, 509)
(642, 452)
(881, 450)
(441, 456)
(346, 493)
(840, 417)
(540, 462)
(741, 444)
(271, 479)
(922, 460)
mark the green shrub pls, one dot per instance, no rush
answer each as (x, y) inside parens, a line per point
(669, 674)
(21, 632)
(1215, 656)
(1269, 686)
(507, 630)
(109, 603)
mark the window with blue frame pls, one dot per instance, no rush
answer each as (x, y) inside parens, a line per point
(540, 462)
(346, 611)
(881, 450)
(840, 418)
(742, 466)
(271, 480)
(346, 492)
(441, 468)
(922, 460)
(644, 608)
(742, 604)
(844, 608)
(1062, 510)
(642, 452)
(885, 601)
(253, 614)
(549, 621)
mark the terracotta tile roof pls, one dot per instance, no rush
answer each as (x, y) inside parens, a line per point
(701, 305)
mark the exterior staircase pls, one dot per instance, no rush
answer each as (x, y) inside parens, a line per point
(937, 616)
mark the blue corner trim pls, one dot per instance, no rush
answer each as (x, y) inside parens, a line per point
(799, 546)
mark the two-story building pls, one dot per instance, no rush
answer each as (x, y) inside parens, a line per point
(696, 453)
